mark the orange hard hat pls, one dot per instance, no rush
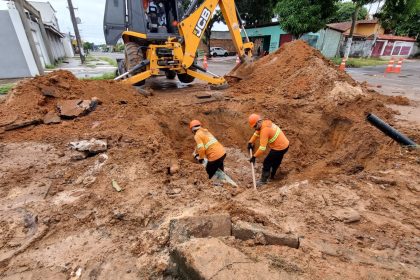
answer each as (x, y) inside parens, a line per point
(194, 123)
(253, 119)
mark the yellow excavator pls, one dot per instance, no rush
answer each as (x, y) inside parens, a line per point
(160, 37)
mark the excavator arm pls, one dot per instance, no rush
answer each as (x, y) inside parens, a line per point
(193, 26)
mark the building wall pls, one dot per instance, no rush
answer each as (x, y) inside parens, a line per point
(40, 44)
(329, 43)
(16, 58)
(57, 47)
(273, 31)
(47, 13)
(368, 29)
(68, 48)
(227, 44)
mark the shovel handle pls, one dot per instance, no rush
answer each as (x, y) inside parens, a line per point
(253, 171)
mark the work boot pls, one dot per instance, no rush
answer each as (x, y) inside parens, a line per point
(264, 178)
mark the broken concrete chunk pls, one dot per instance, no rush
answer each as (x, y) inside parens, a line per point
(76, 107)
(93, 146)
(49, 92)
(116, 186)
(51, 118)
(17, 125)
(182, 229)
(347, 215)
(245, 231)
(210, 258)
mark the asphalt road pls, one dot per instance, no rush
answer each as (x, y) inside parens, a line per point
(407, 83)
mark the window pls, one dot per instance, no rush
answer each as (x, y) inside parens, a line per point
(402, 48)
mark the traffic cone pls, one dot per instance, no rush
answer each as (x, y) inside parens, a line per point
(205, 64)
(398, 66)
(390, 67)
(237, 60)
(342, 66)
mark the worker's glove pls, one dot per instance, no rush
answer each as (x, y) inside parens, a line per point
(252, 160)
(250, 146)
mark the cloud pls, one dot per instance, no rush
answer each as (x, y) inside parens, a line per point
(91, 14)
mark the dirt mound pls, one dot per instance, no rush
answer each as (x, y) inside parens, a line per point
(33, 98)
(295, 70)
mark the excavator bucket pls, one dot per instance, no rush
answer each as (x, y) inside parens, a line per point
(241, 71)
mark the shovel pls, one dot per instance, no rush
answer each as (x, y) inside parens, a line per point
(253, 171)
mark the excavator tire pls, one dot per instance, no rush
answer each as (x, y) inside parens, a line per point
(185, 78)
(170, 74)
(133, 56)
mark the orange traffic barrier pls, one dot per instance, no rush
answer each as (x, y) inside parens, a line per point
(237, 60)
(390, 67)
(205, 64)
(342, 66)
(398, 66)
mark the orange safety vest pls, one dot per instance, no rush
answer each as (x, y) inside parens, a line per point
(272, 135)
(208, 146)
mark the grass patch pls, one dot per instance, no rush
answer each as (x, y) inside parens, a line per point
(360, 62)
(4, 89)
(105, 76)
(90, 58)
(111, 61)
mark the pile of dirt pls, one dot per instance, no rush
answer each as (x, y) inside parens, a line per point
(76, 222)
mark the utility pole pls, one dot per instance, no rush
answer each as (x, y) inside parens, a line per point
(76, 31)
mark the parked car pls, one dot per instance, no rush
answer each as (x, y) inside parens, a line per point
(218, 51)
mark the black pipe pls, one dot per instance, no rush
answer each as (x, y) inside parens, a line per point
(390, 131)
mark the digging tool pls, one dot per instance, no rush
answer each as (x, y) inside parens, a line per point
(253, 171)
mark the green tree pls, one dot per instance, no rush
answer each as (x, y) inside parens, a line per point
(253, 13)
(88, 46)
(302, 16)
(345, 11)
(358, 6)
(402, 17)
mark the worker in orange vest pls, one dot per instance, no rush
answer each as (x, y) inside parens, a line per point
(269, 134)
(207, 148)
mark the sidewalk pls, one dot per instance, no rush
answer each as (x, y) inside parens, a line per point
(93, 67)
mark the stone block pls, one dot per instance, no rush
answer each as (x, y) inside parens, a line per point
(210, 258)
(182, 229)
(245, 231)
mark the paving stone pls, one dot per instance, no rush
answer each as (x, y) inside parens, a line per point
(92, 146)
(245, 231)
(76, 107)
(182, 229)
(210, 258)
(51, 118)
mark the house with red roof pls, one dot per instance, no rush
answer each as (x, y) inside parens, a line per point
(369, 39)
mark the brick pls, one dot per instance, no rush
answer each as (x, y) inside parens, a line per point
(210, 258)
(182, 229)
(245, 231)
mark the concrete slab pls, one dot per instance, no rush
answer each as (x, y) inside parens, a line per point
(182, 229)
(210, 258)
(245, 231)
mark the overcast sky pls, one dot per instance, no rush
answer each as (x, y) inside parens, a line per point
(91, 13)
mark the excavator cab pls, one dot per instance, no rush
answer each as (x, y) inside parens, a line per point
(156, 19)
